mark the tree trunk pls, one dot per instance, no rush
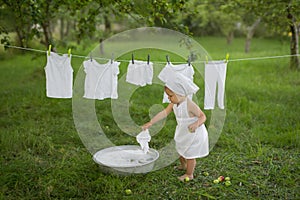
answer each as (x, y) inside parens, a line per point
(295, 62)
(46, 26)
(68, 27)
(47, 35)
(62, 28)
(107, 23)
(20, 37)
(250, 33)
(230, 37)
(294, 48)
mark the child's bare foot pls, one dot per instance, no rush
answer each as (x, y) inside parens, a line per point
(183, 177)
(180, 167)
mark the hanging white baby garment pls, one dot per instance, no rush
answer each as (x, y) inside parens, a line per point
(183, 69)
(101, 80)
(215, 75)
(139, 73)
(189, 145)
(59, 76)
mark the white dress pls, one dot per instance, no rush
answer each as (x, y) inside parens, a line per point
(189, 145)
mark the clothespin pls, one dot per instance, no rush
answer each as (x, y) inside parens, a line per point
(227, 57)
(148, 59)
(69, 52)
(168, 60)
(49, 49)
(189, 60)
(132, 59)
(112, 58)
(206, 59)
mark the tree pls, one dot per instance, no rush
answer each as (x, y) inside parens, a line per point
(160, 13)
(279, 16)
(294, 63)
(31, 16)
(211, 17)
(283, 16)
(20, 15)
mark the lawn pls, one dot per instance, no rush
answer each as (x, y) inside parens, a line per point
(43, 157)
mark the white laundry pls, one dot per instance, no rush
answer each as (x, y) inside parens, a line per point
(139, 73)
(183, 69)
(143, 138)
(215, 75)
(181, 85)
(59, 76)
(101, 80)
(189, 145)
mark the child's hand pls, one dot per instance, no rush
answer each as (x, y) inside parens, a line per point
(146, 126)
(192, 127)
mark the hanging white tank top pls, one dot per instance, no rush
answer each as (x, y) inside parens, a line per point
(59, 76)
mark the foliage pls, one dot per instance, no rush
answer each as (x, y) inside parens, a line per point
(17, 16)
(200, 17)
(42, 156)
(210, 18)
(273, 13)
(34, 18)
(39, 19)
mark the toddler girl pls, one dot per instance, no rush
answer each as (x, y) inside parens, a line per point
(191, 137)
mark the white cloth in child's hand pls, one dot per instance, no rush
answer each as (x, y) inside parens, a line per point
(143, 138)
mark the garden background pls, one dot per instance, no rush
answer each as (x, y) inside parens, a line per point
(42, 156)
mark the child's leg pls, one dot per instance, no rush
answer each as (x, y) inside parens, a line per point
(190, 167)
(182, 165)
(182, 162)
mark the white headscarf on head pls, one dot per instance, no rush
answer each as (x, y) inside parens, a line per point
(181, 85)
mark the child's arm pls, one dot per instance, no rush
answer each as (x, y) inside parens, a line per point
(195, 111)
(159, 116)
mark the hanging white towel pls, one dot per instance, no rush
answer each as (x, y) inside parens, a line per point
(183, 69)
(59, 76)
(139, 73)
(143, 138)
(181, 85)
(101, 80)
(215, 75)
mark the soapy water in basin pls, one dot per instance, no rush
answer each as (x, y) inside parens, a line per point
(125, 156)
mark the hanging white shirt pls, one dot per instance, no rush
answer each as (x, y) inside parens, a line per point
(183, 69)
(59, 76)
(139, 73)
(215, 75)
(101, 80)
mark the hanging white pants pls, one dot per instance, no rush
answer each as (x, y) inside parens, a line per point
(140, 73)
(215, 75)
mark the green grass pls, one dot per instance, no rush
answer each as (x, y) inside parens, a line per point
(42, 156)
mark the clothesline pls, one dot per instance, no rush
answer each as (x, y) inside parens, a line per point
(159, 62)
